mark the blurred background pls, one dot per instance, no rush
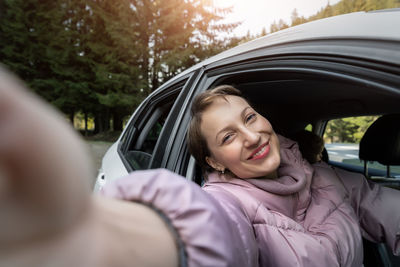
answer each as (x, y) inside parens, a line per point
(96, 60)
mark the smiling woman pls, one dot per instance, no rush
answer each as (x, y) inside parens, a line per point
(227, 121)
(287, 211)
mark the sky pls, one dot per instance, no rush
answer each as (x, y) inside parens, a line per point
(256, 14)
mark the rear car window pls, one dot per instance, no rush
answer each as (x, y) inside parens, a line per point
(342, 139)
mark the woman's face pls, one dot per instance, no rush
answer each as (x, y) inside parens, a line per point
(240, 139)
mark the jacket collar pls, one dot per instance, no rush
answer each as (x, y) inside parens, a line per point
(292, 175)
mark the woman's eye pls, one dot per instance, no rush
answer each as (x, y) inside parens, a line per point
(250, 117)
(226, 138)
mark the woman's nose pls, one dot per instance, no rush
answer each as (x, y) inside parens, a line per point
(250, 137)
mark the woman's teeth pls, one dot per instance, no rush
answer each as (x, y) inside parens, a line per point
(260, 152)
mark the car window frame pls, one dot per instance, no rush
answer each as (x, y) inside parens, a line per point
(373, 173)
(214, 72)
(165, 150)
(145, 114)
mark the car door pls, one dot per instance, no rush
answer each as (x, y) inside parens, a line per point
(147, 128)
(141, 144)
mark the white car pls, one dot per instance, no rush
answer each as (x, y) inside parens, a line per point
(343, 66)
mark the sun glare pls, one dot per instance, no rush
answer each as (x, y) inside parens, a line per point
(258, 14)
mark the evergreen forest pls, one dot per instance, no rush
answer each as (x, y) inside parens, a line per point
(99, 59)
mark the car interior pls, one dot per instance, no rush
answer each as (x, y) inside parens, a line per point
(294, 100)
(291, 101)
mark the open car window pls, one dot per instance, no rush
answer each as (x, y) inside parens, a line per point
(140, 156)
(145, 130)
(342, 139)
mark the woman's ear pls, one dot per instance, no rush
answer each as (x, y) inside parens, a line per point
(214, 164)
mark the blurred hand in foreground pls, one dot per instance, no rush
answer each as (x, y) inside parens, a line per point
(48, 216)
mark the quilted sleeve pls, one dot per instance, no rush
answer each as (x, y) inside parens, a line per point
(204, 233)
(377, 207)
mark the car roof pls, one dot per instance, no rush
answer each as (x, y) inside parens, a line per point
(372, 25)
(344, 99)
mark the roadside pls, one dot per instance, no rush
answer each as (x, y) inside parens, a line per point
(99, 143)
(97, 150)
(98, 146)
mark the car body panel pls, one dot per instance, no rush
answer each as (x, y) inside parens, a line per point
(111, 165)
(353, 26)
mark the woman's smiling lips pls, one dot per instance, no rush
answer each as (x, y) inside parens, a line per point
(261, 152)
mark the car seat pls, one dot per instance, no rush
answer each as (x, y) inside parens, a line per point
(381, 143)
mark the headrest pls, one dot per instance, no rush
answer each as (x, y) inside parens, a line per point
(381, 142)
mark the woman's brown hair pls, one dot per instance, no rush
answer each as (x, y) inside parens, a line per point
(196, 142)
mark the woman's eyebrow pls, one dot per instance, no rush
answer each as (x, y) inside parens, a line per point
(242, 114)
(221, 131)
(244, 111)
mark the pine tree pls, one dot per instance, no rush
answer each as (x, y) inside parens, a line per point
(102, 58)
(278, 26)
(175, 34)
(15, 36)
(42, 48)
(112, 50)
(296, 19)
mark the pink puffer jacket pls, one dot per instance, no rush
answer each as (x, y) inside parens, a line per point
(204, 233)
(311, 215)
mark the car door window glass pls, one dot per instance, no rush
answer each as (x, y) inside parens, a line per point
(342, 138)
(148, 127)
(139, 158)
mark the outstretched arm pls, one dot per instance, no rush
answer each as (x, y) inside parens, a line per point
(48, 216)
(377, 208)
